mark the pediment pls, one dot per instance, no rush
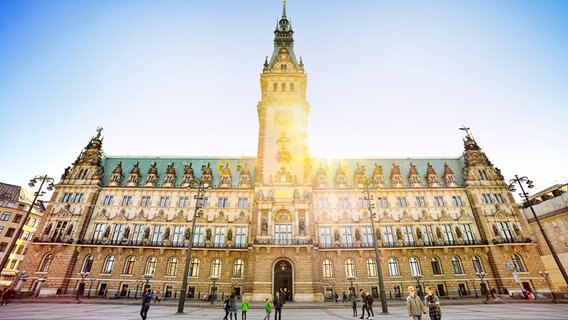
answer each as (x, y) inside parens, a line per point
(179, 217)
(241, 217)
(387, 217)
(444, 217)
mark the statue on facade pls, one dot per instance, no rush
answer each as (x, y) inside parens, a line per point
(302, 227)
(264, 227)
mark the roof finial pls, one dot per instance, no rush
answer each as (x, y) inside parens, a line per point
(466, 129)
(284, 9)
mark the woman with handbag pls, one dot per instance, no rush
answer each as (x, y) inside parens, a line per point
(414, 305)
(433, 303)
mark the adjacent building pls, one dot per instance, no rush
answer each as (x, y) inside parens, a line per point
(282, 219)
(15, 201)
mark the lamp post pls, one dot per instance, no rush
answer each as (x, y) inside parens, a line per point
(213, 288)
(484, 286)
(92, 280)
(81, 288)
(367, 184)
(351, 288)
(546, 275)
(418, 287)
(147, 276)
(519, 181)
(44, 179)
(200, 184)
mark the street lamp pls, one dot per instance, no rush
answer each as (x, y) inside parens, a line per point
(368, 184)
(200, 184)
(81, 288)
(44, 179)
(519, 180)
(418, 287)
(90, 287)
(546, 275)
(147, 276)
(213, 288)
(484, 287)
(351, 288)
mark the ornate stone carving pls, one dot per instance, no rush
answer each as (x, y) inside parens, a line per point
(432, 177)
(396, 177)
(414, 177)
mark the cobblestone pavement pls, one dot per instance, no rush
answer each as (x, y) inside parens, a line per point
(92, 311)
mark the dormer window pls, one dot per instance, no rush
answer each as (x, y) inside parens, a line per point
(283, 67)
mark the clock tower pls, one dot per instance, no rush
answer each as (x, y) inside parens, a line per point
(283, 157)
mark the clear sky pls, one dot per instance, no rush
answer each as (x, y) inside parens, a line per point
(385, 79)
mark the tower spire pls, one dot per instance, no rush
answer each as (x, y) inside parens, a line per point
(284, 9)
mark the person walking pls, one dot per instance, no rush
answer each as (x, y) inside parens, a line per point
(233, 306)
(146, 304)
(278, 303)
(414, 305)
(157, 296)
(7, 296)
(363, 304)
(354, 305)
(344, 297)
(433, 303)
(267, 308)
(369, 300)
(244, 308)
(226, 307)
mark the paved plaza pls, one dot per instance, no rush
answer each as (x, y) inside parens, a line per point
(91, 311)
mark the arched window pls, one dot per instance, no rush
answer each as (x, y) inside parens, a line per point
(150, 265)
(275, 87)
(292, 86)
(393, 267)
(107, 266)
(216, 267)
(477, 265)
(283, 86)
(129, 265)
(518, 263)
(436, 266)
(87, 264)
(456, 263)
(349, 268)
(238, 268)
(414, 266)
(172, 267)
(327, 268)
(45, 263)
(371, 268)
(194, 267)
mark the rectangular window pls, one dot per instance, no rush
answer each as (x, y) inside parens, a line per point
(177, 236)
(164, 201)
(108, 200)
(32, 222)
(388, 235)
(505, 230)
(407, 235)
(3, 246)
(467, 232)
(428, 234)
(498, 198)
(347, 236)
(137, 233)
(325, 236)
(99, 230)
(1, 229)
(223, 202)
(241, 236)
(79, 197)
(184, 202)
(367, 235)
(67, 196)
(283, 233)
(126, 201)
(401, 202)
(146, 201)
(158, 234)
(482, 174)
(382, 202)
(344, 203)
(10, 232)
(5, 216)
(362, 203)
(199, 236)
(204, 203)
(457, 201)
(117, 232)
(323, 203)
(447, 233)
(219, 236)
(420, 202)
(438, 201)
(486, 198)
(17, 218)
(242, 203)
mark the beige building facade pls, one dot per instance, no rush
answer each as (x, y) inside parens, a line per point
(282, 219)
(551, 209)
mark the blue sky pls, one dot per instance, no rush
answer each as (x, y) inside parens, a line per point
(385, 79)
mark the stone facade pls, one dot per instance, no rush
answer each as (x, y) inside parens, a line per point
(282, 220)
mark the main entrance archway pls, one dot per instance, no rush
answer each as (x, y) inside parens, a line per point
(283, 278)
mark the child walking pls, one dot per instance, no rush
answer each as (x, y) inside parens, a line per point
(244, 309)
(354, 305)
(267, 308)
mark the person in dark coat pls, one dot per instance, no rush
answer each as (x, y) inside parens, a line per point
(7, 296)
(148, 297)
(363, 304)
(278, 303)
(433, 303)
